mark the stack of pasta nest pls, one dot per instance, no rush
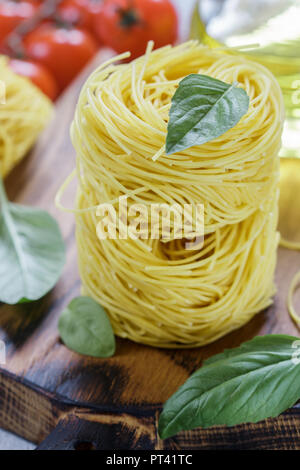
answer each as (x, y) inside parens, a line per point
(158, 292)
(24, 112)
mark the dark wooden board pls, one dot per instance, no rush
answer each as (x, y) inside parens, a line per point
(44, 383)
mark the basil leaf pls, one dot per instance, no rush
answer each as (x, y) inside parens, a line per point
(203, 108)
(258, 380)
(85, 328)
(32, 252)
(263, 343)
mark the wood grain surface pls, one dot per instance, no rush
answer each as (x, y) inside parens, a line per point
(44, 384)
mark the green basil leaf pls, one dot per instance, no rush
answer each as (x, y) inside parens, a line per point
(32, 252)
(258, 380)
(263, 343)
(203, 108)
(85, 328)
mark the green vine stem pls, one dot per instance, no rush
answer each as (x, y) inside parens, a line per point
(14, 40)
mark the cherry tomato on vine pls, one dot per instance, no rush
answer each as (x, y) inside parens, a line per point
(80, 13)
(38, 74)
(62, 51)
(12, 13)
(129, 24)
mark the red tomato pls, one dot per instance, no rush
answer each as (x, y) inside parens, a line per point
(12, 13)
(62, 51)
(128, 25)
(38, 74)
(80, 13)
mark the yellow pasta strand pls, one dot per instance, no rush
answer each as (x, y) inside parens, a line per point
(293, 286)
(24, 113)
(157, 292)
(289, 244)
(295, 281)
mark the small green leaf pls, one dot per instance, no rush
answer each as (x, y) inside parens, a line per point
(85, 328)
(32, 252)
(203, 108)
(256, 381)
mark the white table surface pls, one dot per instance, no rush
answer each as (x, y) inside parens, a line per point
(9, 441)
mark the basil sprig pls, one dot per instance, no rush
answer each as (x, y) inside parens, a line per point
(258, 380)
(203, 108)
(85, 328)
(32, 252)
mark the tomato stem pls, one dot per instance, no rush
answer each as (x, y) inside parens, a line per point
(14, 39)
(129, 17)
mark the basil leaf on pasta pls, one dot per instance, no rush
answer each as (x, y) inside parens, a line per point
(258, 380)
(32, 252)
(203, 108)
(85, 328)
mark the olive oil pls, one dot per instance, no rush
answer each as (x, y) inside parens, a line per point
(275, 43)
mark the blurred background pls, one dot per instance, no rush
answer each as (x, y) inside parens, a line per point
(50, 41)
(269, 31)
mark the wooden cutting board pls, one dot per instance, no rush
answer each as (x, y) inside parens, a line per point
(50, 394)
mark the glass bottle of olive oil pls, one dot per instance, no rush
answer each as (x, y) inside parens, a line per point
(271, 30)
